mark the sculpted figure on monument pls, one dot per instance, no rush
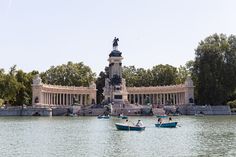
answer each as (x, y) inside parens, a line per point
(115, 42)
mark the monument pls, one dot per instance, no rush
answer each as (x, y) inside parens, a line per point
(115, 86)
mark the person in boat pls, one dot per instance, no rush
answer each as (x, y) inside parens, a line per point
(139, 123)
(126, 121)
(170, 119)
(159, 120)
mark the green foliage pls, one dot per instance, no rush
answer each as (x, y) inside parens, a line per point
(70, 74)
(159, 75)
(100, 83)
(15, 86)
(214, 70)
(182, 73)
(164, 75)
(232, 104)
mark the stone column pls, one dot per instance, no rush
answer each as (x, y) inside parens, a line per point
(61, 98)
(46, 98)
(138, 98)
(81, 99)
(142, 96)
(71, 99)
(86, 98)
(153, 98)
(164, 98)
(181, 98)
(50, 98)
(43, 98)
(173, 98)
(177, 98)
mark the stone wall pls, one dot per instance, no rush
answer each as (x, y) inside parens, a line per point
(208, 110)
(29, 111)
(92, 112)
(61, 111)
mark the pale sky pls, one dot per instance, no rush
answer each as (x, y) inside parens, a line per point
(36, 34)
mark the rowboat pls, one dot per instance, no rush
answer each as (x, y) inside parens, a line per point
(161, 116)
(103, 117)
(123, 117)
(167, 125)
(120, 126)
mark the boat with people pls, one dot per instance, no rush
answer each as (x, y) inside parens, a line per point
(103, 117)
(162, 116)
(122, 116)
(166, 125)
(128, 127)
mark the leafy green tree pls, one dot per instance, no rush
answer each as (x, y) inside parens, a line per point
(100, 83)
(70, 74)
(130, 75)
(141, 79)
(9, 87)
(182, 73)
(24, 92)
(215, 69)
(164, 75)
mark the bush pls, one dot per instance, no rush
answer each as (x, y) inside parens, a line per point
(232, 104)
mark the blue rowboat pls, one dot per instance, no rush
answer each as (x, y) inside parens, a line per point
(120, 126)
(123, 117)
(161, 116)
(166, 125)
(103, 117)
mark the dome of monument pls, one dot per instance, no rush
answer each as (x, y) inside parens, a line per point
(115, 53)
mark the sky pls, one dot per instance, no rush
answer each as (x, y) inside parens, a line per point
(37, 34)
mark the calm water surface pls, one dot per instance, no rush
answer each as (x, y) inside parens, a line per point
(92, 137)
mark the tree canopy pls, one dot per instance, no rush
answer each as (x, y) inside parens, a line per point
(70, 74)
(214, 69)
(158, 75)
(15, 86)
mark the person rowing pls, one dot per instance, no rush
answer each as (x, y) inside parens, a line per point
(160, 120)
(139, 123)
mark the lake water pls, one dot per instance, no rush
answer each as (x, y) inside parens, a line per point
(92, 137)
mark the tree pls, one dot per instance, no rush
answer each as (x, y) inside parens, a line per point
(24, 92)
(100, 83)
(70, 74)
(215, 69)
(130, 75)
(182, 73)
(164, 75)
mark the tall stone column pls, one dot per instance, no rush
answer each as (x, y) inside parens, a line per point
(49, 95)
(142, 99)
(138, 99)
(46, 98)
(81, 99)
(174, 99)
(60, 98)
(177, 96)
(67, 99)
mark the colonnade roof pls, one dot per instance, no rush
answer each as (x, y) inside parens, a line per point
(57, 88)
(172, 88)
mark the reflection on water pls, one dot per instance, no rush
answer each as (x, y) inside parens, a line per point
(89, 136)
